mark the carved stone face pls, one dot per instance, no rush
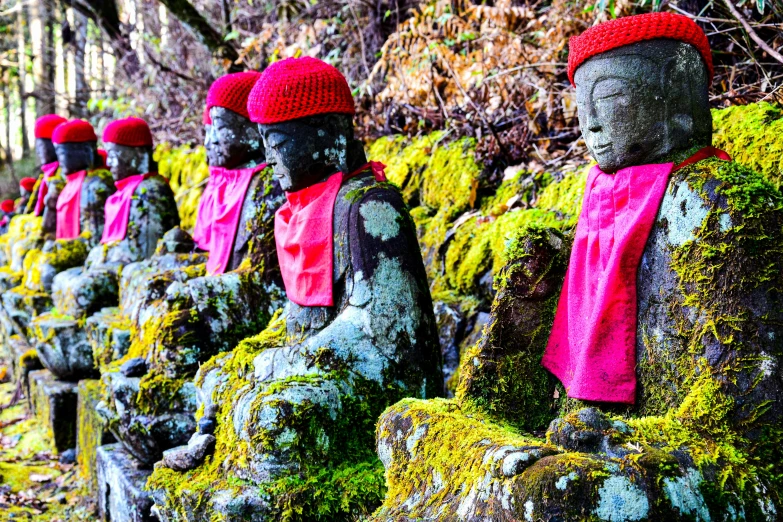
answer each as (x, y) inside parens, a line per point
(44, 148)
(305, 151)
(643, 102)
(124, 161)
(74, 157)
(232, 141)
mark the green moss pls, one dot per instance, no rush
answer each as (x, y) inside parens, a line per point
(753, 136)
(187, 171)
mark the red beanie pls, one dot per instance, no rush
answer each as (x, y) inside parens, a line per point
(230, 92)
(103, 156)
(45, 125)
(74, 131)
(299, 87)
(7, 206)
(205, 119)
(131, 132)
(632, 29)
(28, 184)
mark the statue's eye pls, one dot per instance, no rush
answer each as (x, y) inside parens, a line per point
(610, 88)
(276, 139)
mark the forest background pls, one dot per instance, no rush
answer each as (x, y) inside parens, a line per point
(494, 71)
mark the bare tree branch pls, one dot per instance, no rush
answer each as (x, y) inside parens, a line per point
(754, 36)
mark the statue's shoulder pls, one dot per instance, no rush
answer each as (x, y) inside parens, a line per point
(728, 187)
(154, 186)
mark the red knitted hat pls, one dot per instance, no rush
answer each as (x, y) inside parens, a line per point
(74, 131)
(205, 119)
(131, 132)
(27, 183)
(103, 156)
(632, 29)
(230, 92)
(299, 87)
(7, 206)
(45, 125)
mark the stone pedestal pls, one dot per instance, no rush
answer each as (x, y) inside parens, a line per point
(54, 405)
(121, 495)
(62, 345)
(91, 432)
(108, 332)
(23, 305)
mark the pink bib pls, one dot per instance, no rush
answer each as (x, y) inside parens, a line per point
(592, 347)
(303, 237)
(202, 232)
(226, 211)
(68, 206)
(49, 170)
(118, 206)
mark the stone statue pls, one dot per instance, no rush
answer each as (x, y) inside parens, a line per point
(136, 217)
(666, 331)
(186, 317)
(72, 221)
(357, 333)
(26, 192)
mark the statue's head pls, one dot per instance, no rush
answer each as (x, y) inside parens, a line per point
(232, 140)
(26, 186)
(642, 87)
(128, 145)
(75, 143)
(7, 206)
(44, 128)
(304, 110)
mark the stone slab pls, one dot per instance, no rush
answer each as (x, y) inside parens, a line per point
(54, 405)
(121, 495)
(91, 432)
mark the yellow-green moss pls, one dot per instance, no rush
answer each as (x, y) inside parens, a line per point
(753, 136)
(187, 171)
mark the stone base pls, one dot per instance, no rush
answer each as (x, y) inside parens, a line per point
(9, 279)
(108, 333)
(91, 432)
(121, 495)
(23, 305)
(62, 345)
(54, 405)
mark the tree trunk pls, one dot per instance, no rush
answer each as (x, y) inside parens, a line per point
(6, 78)
(82, 90)
(106, 16)
(22, 77)
(204, 32)
(101, 63)
(42, 13)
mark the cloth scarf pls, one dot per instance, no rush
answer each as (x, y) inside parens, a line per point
(592, 347)
(304, 238)
(69, 206)
(226, 209)
(43, 187)
(117, 208)
(202, 232)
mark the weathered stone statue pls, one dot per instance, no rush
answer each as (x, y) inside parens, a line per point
(73, 212)
(26, 188)
(8, 209)
(357, 333)
(151, 404)
(136, 217)
(44, 149)
(666, 334)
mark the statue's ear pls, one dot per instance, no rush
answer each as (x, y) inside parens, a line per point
(92, 155)
(685, 88)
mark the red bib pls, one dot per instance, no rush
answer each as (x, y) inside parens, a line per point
(592, 347)
(304, 239)
(226, 210)
(68, 206)
(202, 232)
(118, 206)
(43, 188)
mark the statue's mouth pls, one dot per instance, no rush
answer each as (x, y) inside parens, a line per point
(598, 149)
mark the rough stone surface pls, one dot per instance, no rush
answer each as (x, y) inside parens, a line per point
(91, 432)
(183, 458)
(54, 405)
(121, 495)
(108, 332)
(62, 346)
